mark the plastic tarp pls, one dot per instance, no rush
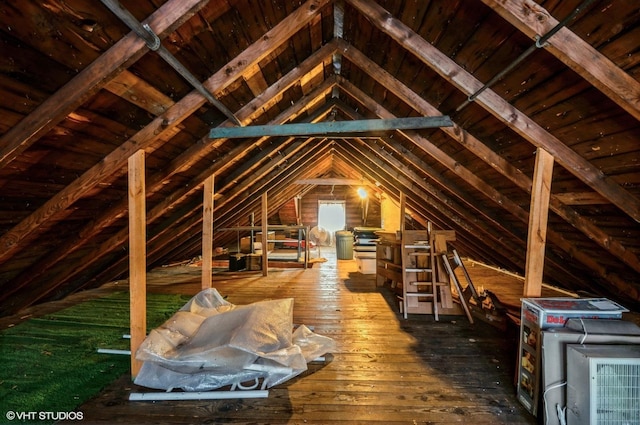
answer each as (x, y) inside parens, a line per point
(210, 343)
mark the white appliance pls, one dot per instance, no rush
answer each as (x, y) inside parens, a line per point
(539, 314)
(364, 248)
(603, 384)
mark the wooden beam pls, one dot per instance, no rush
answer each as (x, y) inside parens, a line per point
(112, 163)
(265, 235)
(532, 19)
(135, 90)
(557, 238)
(446, 210)
(558, 204)
(189, 157)
(126, 51)
(207, 232)
(343, 128)
(538, 216)
(581, 198)
(230, 160)
(331, 181)
(297, 202)
(137, 256)
(500, 108)
(421, 200)
(441, 156)
(403, 207)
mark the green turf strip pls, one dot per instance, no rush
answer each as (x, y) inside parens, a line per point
(50, 363)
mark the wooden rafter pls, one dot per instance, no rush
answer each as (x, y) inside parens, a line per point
(129, 49)
(135, 90)
(176, 198)
(272, 179)
(463, 206)
(580, 198)
(163, 124)
(417, 198)
(504, 167)
(500, 108)
(503, 201)
(532, 19)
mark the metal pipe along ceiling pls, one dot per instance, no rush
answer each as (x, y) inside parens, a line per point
(153, 43)
(540, 43)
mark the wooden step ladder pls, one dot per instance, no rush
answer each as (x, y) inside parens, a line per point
(469, 291)
(419, 274)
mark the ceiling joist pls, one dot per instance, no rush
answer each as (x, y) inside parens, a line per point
(340, 128)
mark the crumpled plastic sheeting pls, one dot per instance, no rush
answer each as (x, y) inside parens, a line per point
(210, 343)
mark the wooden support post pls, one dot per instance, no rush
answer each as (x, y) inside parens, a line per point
(137, 256)
(265, 228)
(207, 232)
(538, 216)
(440, 239)
(298, 207)
(403, 206)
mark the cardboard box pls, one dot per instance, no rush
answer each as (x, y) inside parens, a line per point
(245, 242)
(254, 262)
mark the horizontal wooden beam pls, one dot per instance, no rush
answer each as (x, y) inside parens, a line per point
(332, 181)
(332, 127)
(581, 198)
(259, 228)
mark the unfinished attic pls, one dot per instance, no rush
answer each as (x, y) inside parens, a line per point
(331, 152)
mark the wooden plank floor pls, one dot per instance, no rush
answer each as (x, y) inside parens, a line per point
(385, 369)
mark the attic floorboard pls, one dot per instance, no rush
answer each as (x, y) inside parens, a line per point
(385, 369)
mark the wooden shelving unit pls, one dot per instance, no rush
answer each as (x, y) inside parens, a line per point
(388, 260)
(412, 266)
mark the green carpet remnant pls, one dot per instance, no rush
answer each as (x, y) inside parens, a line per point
(51, 364)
